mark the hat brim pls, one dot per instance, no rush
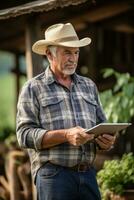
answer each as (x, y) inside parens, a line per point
(40, 46)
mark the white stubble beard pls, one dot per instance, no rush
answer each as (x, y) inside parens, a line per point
(67, 71)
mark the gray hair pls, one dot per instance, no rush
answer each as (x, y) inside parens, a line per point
(53, 50)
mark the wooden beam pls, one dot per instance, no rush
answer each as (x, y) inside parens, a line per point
(103, 12)
(98, 13)
(126, 28)
(122, 23)
(33, 62)
(37, 6)
(17, 75)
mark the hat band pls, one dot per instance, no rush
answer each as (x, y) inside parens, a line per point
(66, 39)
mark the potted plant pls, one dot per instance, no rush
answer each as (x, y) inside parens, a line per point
(116, 178)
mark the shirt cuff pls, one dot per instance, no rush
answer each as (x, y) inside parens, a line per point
(34, 140)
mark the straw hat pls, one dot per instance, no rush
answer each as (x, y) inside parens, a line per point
(59, 35)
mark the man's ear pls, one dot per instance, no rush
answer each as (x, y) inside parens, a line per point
(49, 54)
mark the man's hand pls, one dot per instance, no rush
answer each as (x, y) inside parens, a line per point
(105, 141)
(76, 136)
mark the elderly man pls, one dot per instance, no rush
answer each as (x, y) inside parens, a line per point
(54, 110)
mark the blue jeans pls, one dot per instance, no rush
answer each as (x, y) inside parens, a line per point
(59, 183)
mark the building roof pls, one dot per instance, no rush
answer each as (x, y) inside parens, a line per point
(37, 6)
(116, 15)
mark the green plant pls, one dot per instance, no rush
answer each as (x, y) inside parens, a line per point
(116, 175)
(7, 102)
(6, 132)
(118, 102)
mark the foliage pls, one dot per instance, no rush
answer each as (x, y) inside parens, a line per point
(8, 104)
(118, 102)
(116, 175)
(6, 132)
(7, 108)
(11, 142)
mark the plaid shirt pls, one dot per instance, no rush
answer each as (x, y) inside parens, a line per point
(44, 104)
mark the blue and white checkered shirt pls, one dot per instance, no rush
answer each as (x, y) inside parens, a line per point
(44, 104)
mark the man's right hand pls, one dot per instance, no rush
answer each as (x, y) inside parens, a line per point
(76, 136)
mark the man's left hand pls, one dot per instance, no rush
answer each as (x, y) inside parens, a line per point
(105, 141)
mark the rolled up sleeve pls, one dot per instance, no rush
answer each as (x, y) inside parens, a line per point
(28, 129)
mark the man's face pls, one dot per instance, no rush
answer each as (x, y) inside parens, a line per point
(66, 60)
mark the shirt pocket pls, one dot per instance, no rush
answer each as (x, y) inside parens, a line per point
(51, 111)
(90, 106)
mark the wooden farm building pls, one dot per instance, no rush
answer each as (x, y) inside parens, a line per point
(108, 23)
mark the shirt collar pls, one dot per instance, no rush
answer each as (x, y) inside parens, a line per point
(76, 78)
(50, 78)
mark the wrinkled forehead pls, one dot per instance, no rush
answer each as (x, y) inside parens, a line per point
(71, 49)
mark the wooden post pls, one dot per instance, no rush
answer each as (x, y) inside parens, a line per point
(17, 76)
(34, 62)
(11, 171)
(92, 61)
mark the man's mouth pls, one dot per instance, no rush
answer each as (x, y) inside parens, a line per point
(71, 65)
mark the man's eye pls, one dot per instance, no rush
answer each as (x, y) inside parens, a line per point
(67, 53)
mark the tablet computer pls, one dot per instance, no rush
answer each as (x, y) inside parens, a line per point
(109, 128)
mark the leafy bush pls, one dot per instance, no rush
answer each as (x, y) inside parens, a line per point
(116, 175)
(5, 132)
(118, 102)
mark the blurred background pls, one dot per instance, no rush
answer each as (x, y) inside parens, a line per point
(109, 61)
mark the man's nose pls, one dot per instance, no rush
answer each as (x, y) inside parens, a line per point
(73, 57)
